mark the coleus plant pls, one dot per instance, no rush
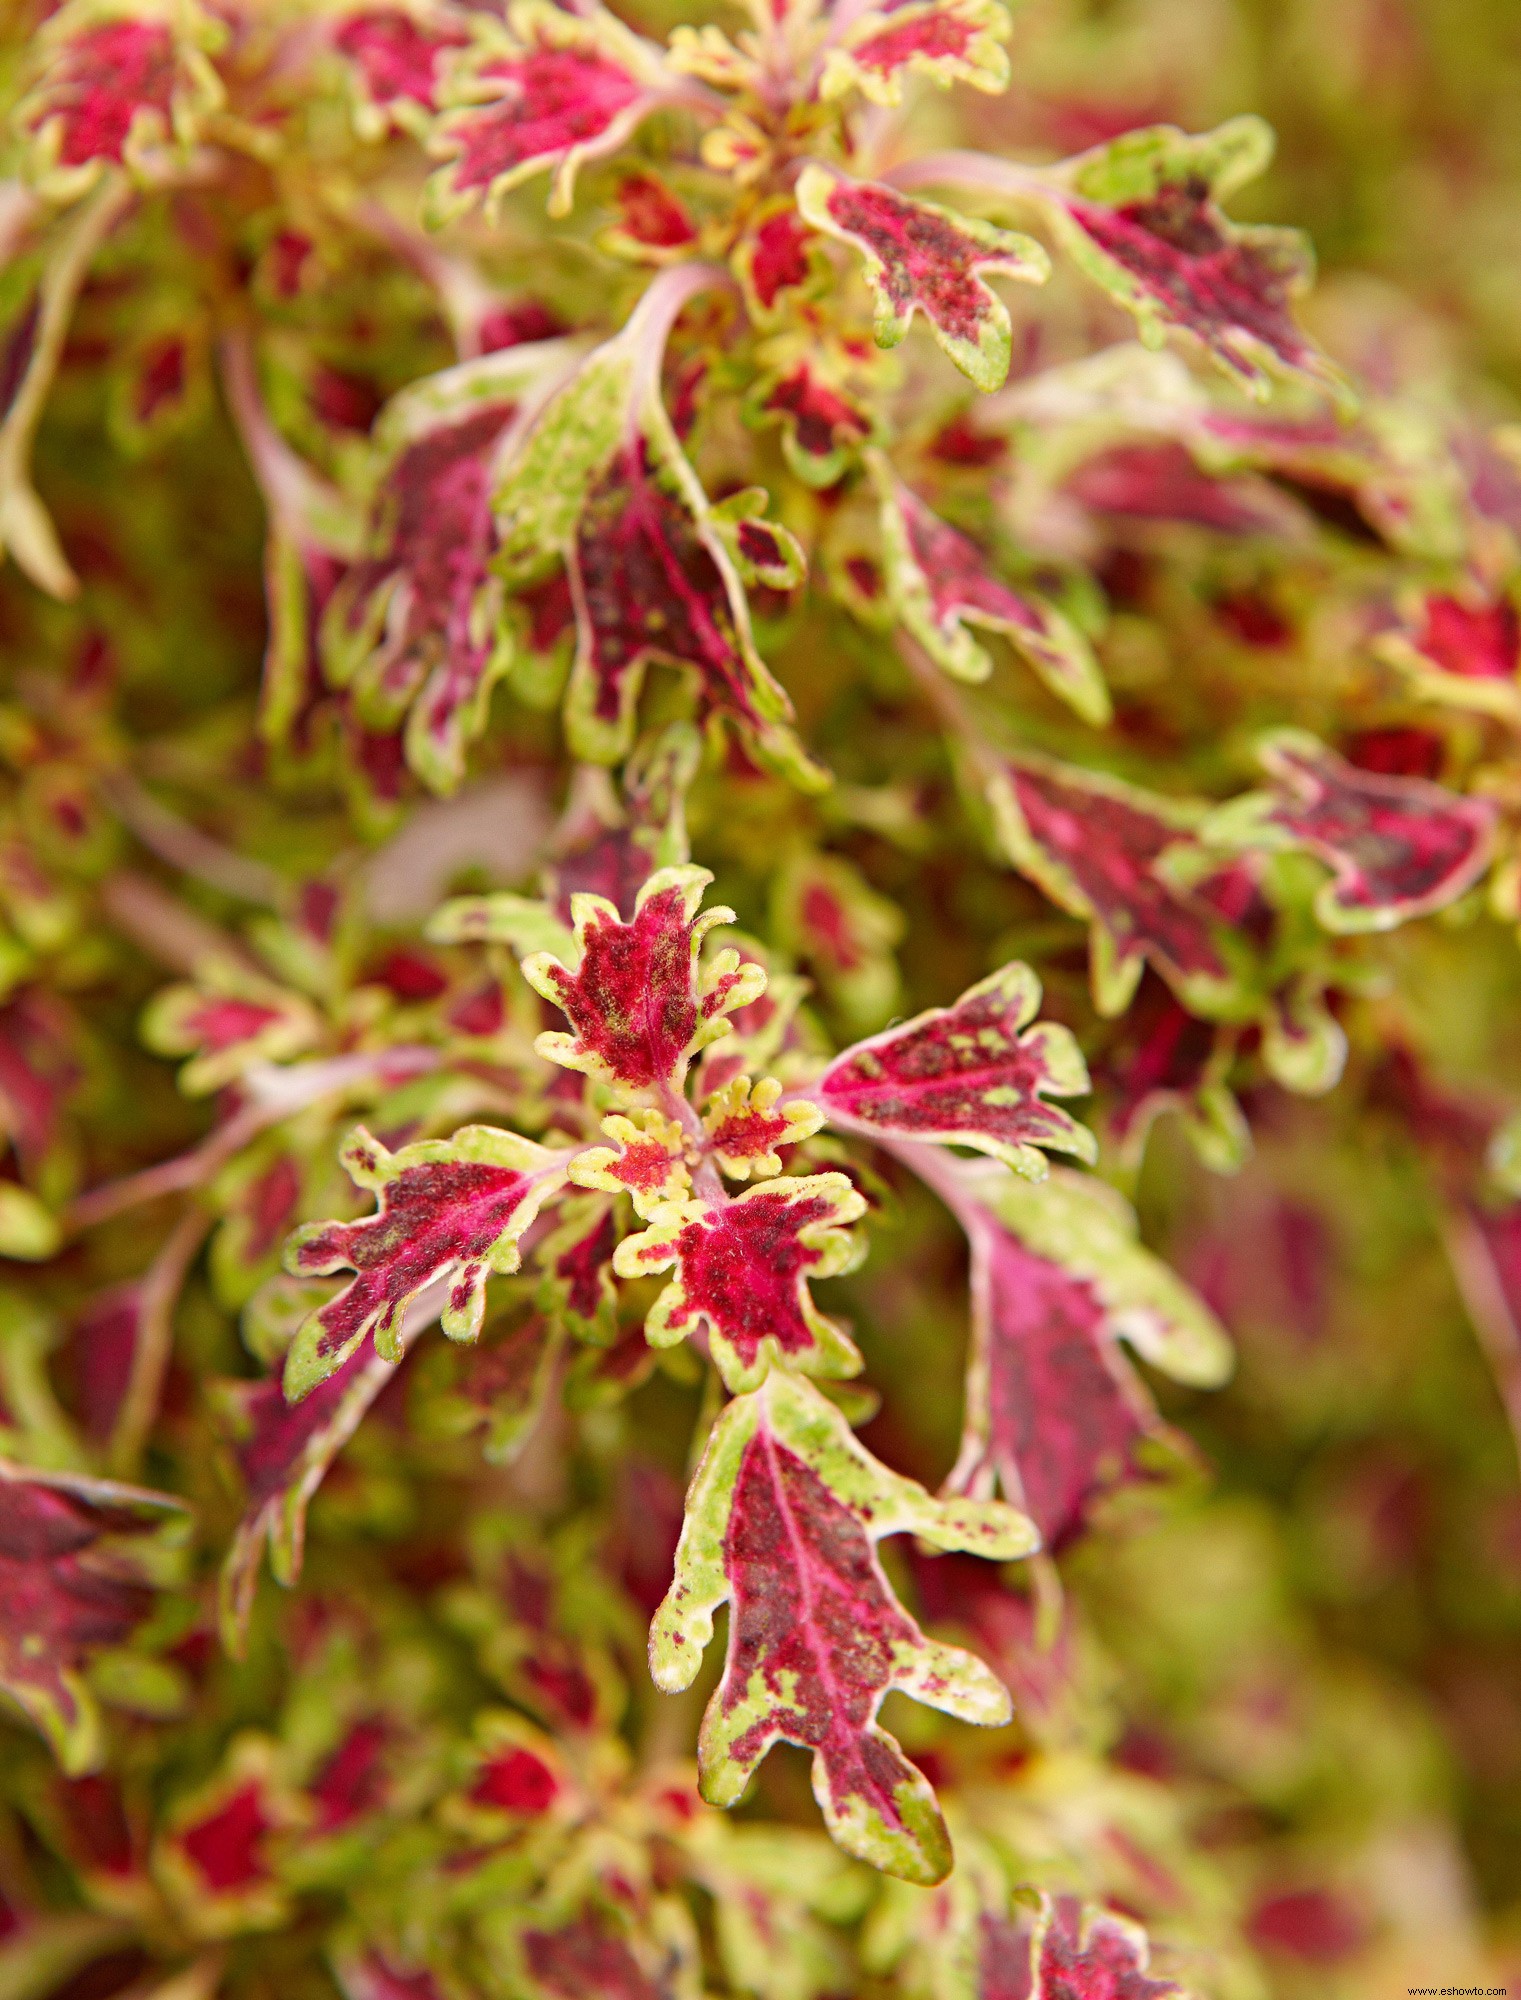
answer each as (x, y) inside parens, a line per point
(571, 467)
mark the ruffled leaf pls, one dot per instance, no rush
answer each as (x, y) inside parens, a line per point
(1397, 847)
(639, 1004)
(781, 1521)
(743, 1270)
(646, 1161)
(399, 59)
(745, 1126)
(225, 1023)
(73, 1582)
(941, 584)
(417, 626)
(921, 258)
(975, 1074)
(284, 1452)
(115, 85)
(1141, 216)
(555, 91)
(448, 1210)
(1068, 1950)
(1098, 848)
(1054, 1413)
(601, 482)
(576, 1289)
(948, 41)
(824, 420)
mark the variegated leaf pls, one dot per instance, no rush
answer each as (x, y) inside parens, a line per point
(948, 41)
(73, 1582)
(1397, 847)
(600, 482)
(548, 93)
(744, 1126)
(781, 1521)
(941, 584)
(1102, 850)
(1141, 216)
(921, 258)
(447, 1209)
(743, 1270)
(639, 1002)
(1058, 1278)
(975, 1074)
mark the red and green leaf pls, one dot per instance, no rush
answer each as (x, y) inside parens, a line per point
(399, 56)
(646, 1161)
(114, 83)
(776, 260)
(652, 579)
(217, 1855)
(1462, 650)
(259, 1197)
(226, 1023)
(1141, 216)
(941, 584)
(639, 1002)
(825, 420)
(922, 258)
(1071, 1951)
(516, 1778)
(284, 1452)
(654, 224)
(1054, 1414)
(1397, 847)
(1104, 850)
(829, 916)
(781, 1521)
(417, 625)
(975, 1074)
(601, 483)
(449, 1213)
(600, 1949)
(1166, 1059)
(745, 1126)
(576, 1289)
(947, 41)
(549, 93)
(498, 1386)
(74, 1583)
(743, 1270)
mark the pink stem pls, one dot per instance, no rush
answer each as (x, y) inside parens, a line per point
(649, 326)
(278, 1094)
(1488, 1307)
(187, 849)
(292, 491)
(157, 1297)
(981, 170)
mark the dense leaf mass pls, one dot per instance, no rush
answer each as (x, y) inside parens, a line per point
(760, 863)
